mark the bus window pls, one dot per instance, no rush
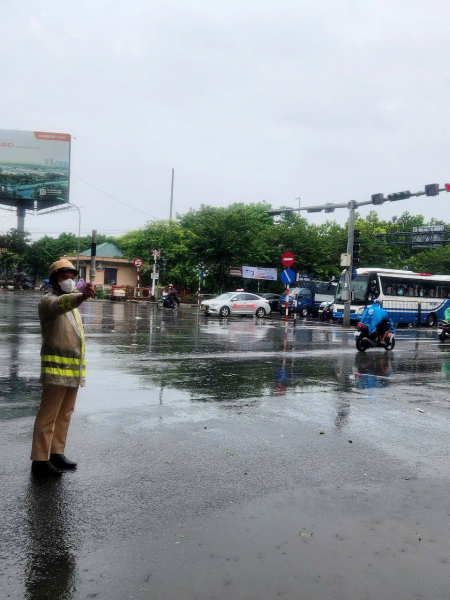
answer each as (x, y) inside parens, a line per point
(429, 290)
(374, 290)
(387, 285)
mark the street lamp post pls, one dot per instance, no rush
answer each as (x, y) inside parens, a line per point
(79, 234)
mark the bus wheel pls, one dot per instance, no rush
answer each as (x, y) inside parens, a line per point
(431, 320)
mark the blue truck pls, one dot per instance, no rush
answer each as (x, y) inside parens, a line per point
(310, 295)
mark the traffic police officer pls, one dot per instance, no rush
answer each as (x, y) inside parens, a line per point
(62, 368)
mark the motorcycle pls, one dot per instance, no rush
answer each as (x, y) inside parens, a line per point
(326, 311)
(443, 330)
(364, 341)
(164, 302)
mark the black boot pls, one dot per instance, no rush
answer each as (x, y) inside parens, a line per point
(61, 462)
(44, 468)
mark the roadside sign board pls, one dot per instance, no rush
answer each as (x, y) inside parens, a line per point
(137, 262)
(154, 275)
(287, 276)
(287, 259)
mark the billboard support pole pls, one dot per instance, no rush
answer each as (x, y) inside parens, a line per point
(20, 219)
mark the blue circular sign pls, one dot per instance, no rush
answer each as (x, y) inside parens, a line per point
(287, 276)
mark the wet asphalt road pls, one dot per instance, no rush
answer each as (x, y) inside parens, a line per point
(227, 459)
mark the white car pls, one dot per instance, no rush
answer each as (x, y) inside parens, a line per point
(236, 303)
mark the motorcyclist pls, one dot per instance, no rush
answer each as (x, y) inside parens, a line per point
(172, 296)
(447, 314)
(377, 319)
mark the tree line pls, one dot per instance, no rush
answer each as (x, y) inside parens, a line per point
(213, 239)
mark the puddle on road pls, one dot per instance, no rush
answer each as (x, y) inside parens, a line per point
(135, 351)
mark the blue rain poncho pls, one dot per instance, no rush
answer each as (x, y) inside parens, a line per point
(373, 314)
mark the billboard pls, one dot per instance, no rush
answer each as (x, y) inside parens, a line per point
(432, 236)
(259, 273)
(34, 168)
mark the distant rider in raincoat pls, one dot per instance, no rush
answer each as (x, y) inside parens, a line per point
(376, 318)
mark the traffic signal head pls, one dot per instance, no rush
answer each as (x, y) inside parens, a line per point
(378, 198)
(432, 189)
(399, 196)
(162, 263)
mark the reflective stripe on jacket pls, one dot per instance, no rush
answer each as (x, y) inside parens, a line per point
(62, 352)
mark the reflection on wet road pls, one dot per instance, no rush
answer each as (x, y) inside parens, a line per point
(183, 415)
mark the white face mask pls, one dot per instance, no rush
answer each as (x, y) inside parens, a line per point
(67, 285)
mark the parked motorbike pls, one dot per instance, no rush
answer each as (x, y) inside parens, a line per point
(364, 341)
(326, 311)
(164, 302)
(444, 330)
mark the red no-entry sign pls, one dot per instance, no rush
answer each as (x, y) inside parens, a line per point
(287, 259)
(137, 262)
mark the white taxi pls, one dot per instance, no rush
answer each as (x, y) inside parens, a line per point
(236, 303)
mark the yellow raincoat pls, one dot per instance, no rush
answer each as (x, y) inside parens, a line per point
(62, 352)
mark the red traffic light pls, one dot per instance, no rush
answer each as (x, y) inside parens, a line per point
(447, 187)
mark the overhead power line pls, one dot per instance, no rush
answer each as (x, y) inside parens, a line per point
(113, 197)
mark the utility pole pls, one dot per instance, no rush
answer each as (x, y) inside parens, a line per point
(347, 295)
(93, 256)
(156, 254)
(171, 195)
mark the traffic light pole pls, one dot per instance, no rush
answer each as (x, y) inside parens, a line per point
(348, 273)
(431, 189)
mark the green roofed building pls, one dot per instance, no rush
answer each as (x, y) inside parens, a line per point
(111, 267)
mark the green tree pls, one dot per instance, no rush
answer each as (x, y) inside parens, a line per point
(223, 237)
(13, 251)
(169, 237)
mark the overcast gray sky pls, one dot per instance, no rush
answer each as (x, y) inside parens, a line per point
(248, 100)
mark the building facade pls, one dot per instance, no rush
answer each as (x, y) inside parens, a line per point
(111, 267)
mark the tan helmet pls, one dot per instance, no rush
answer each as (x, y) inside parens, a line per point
(61, 265)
